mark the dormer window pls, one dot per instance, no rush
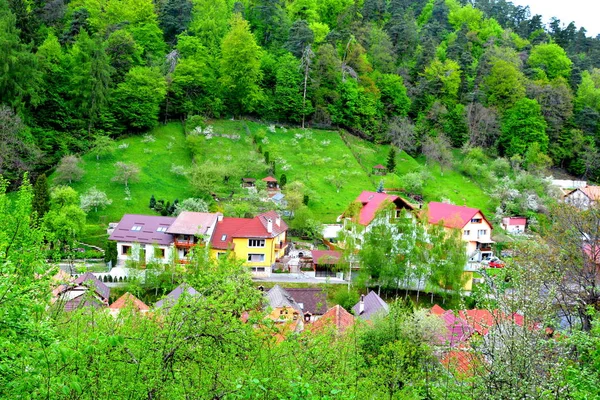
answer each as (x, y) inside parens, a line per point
(136, 228)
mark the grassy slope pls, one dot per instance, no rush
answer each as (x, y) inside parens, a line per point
(310, 159)
(313, 157)
(154, 160)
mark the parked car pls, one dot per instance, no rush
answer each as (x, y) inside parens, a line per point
(495, 262)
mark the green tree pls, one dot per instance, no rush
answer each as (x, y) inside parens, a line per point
(393, 94)
(210, 22)
(41, 196)
(300, 36)
(137, 99)
(174, 18)
(64, 221)
(443, 79)
(522, 125)
(123, 53)
(103, 146)
(288, 98)
(240, 67)
(391, 160)
(550, 60)
(504, 85)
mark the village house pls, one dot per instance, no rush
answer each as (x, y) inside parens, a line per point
(370, 205)
(583, 197)
(192, 229)
(284, 310)
(259, 241)
(312, 302)
(336, 318)
(84, 291)
(514, 225)
(143, 239)
(370, 307)
(476, 232)
(125, 301)
(173, 297)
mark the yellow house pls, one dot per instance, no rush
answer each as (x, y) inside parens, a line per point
(476, 232)
(260, 241)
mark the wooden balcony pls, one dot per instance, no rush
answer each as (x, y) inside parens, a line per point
(183, 261)
(187, 243)
(485, 248)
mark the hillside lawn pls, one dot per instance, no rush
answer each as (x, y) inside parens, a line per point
(154, 160)
(311, 156)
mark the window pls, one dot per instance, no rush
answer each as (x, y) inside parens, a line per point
(125, 250)
(221, 255)
(161, 229)
(476, 220)
(398, 213)
(466, 232)
(258, 269)
(159, 253)
(482, 232)
(256, 242)
(136, 228)
(256, 257)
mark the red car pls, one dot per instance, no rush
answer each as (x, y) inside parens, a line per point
(495, 262)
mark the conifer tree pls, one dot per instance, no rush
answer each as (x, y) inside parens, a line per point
(391, 160)
(41, 196)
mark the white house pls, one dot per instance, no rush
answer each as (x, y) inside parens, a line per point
(143, 239)
(583, 197)
(514, 224)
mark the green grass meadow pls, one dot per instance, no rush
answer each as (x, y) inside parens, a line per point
(310, 156)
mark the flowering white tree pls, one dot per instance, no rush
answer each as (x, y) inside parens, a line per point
(95, 199)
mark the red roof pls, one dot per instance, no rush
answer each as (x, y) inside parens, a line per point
(230, 228)
(452, 216)
(336, 316)
(460, 361)
(512, 221)
(437, 310)
(373, 202)
(379, 166)
(325, 257)
(269, 179)
(128, 299)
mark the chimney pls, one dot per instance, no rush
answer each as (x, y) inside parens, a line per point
(277, 221)
(361, 304)
(269, 225)
(220, 217)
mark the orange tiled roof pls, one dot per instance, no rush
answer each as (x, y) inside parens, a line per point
(336, 316)
(128, 299)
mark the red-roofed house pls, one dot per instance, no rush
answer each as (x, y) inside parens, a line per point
(584, 197)
(325, 262)
(336, 317)
(271, 182)
(514, 224)
(260, 241)
(371, 204)
(476, 229)
(128, 300)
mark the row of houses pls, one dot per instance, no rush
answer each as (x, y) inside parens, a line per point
(260, 241)
(292, 309)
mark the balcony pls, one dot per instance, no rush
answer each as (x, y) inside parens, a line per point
(281, 245)
(187, 243)
(485, 248)
(183, 261)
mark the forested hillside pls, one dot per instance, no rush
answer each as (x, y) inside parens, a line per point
(489, 74)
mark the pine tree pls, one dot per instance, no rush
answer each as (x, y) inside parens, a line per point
(41, 196)
(391, 160)
(380, 187)
(152, 202)
(282, 180)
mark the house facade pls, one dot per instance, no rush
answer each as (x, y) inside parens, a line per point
(143, 239)
(368, 215)
(476, 233)
(260, 241)
(514, 225)
(192, 229)
(584, 197)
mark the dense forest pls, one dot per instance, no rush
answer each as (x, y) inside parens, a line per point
(485, 73)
